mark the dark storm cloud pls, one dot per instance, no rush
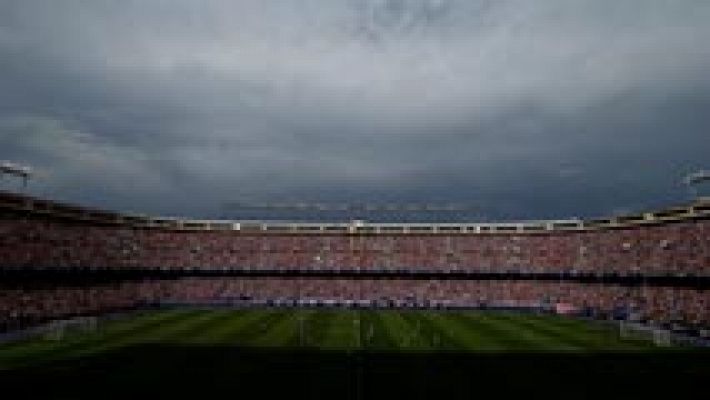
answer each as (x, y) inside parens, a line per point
(525, 109)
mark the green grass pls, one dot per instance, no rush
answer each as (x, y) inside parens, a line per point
(404, 331)
(337, 352)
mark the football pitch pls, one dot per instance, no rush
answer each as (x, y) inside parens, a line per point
(344, 353)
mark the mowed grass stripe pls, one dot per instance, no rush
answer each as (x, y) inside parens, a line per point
(279, 333)
(458, 336)
(299, 336)
(220, 334)
(440, 333)
(198, 326)
(581, 333)
(40, 350)
(537, 335)
(585, 328)
(315, 327)
(174, 328)
(254, 327)
(435, 338)
(572, 336)
(478, 334)
(151, 334)
(412, 328)
(288, 333)
(404, 335)
(392, 328)
(311, 327)
(380, 337)
(342, 331)
(251, 332)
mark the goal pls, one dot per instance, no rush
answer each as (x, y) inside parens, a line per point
(636, 331)
(57, 330)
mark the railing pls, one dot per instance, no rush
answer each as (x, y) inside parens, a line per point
(43, 208)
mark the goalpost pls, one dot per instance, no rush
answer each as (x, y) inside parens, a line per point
(57, 330)
(635, 331)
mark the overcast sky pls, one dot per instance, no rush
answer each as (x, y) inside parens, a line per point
(522, 109)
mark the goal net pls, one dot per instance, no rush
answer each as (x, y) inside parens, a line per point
(59, 329)
(635, 331)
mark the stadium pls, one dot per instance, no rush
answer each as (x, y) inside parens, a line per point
(354, 199)
(110, 289)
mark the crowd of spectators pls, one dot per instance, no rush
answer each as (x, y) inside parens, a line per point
(669, 249)
(660, 304)
(678, 249)
(686, 306)
(27, 305)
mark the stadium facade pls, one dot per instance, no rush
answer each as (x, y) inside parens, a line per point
(59, 260)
